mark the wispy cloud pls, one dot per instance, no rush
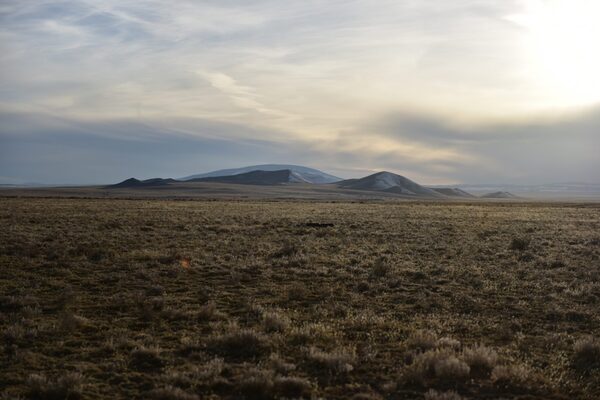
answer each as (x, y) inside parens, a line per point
(241, 96)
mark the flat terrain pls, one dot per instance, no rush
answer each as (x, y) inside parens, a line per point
(205, 190)
(108, 298)
(291, 191)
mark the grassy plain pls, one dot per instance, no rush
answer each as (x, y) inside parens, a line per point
(163, 299)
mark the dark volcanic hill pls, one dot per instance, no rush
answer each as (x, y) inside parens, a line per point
(454, 192)
(309, 175)
(135, 183)
(390, 183)
(281, 177)
(499, 195)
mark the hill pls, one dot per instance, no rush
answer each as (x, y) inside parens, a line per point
(133, 183)
(281, 177)
(454, 192)
(391, 183)
(308, 175)
(499, 195)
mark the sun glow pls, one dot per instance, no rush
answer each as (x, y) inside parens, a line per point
(562, 41)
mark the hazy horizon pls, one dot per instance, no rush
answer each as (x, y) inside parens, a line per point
(459, 92)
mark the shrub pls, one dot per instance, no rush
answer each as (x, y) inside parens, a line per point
(519, 243)
(275, 322)
(175, 313)
(557, 264)
(240, 343)
(190, 345)
(69, 321)
(586, 354)
(258, 384)
(208, 312)
(435, 395)
(155, 290)
(97, 254)
(17, 334)
(363, 287)
(150, 307)
(209, 371)
(15, 303)
(448, 343)
(68, 386)
(146, 359)
(308, 333)
(292, 387)
(422, 340)
(205, 375)
(510, 375)
(107, 348)
(381, 268)
(451, 369)
(366, 396)
(526, 257)
(67, 297)
(440, 364)
(338, 361)
(297, 292)
(287, 250)
(279, 364)
(171, 393)
(481, 360)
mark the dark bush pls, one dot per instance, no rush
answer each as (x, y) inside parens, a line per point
(586, 355)
(146, 359)
(240, 343)
(520, 243)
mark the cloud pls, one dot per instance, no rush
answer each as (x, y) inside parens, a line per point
(438, 90)
(242, 96)
(317, 62)
(43, 148)
(533, 150)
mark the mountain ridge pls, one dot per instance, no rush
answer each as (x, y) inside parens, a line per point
(499, 195)
(385, 181)
(378, 182)
(258, 177)
(133, 183)
(311, 175)
(453, 192)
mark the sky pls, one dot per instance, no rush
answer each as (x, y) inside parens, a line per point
(456, 91)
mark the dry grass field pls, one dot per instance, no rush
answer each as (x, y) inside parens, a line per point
(160, 299)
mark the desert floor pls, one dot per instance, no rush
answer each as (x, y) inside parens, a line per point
(109, 298)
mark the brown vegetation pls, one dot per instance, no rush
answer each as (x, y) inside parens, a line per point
(214, 299)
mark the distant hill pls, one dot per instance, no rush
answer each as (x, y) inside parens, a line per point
(390, 183)
(134, 183)
(453, 192)
(281, 177)
(499, 195)
(567, 190)
(309, 175)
